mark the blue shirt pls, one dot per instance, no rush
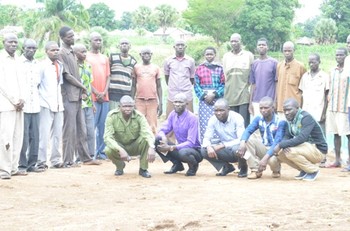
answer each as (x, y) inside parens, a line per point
(271, 133)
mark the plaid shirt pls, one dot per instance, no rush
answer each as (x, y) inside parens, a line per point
(209, 76)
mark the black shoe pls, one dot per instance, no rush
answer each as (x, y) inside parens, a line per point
(35, 169)
(144, 173)
(226, 170)
(242, 174)
(118, 172)
(175, 168)
(58, 165)
(192, 170)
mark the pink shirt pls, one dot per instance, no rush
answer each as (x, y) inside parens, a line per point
(146, 77)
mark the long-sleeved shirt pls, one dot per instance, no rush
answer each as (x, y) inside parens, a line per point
(271, 133)
(185, 128)
(229, 132)
(304, 128)
(120, 132)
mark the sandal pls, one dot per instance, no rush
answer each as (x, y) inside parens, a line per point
(346, 169)
(334, 165)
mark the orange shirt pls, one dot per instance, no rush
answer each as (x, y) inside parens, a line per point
(146, 77)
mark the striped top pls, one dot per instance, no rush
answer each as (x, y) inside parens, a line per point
(338, 91)
(122, 74)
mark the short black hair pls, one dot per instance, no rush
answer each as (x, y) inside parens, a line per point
(63, 31)
(343, 49)
(263, 39)
(210, 48)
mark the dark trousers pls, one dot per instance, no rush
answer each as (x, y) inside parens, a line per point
(243, 110)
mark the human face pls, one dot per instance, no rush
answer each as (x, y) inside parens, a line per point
(209, 55)
(266, 109)
(10, 44)
(124, 46)
(340, 56)
(127, 109)
(146, 56)
(96, 42)
(68, 39)
(29, 49)
(221, 112)
(179, 104)
(81, 54)
(289, 111)
(313, 63)
(235, 43)
(180, 48)
(262, 47)
(52, 52)
(288, 52)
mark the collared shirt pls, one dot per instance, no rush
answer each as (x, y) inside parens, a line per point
(313, 89)
(288, 75)
(185, 128)
(86, 80)
(209, 76)
(271, 133)
(31, 80)
(338, 91)
(229, 132)
(120, 132)
(237, 69)
(11, 89)
(50, 87)
(180, 72)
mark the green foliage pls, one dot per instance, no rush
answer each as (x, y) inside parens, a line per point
(125, 22)
(142, 18)
(9, 15)
(325, 31)
(339, 11)
(107, 40)
(271, 19)
(195, 48)
(213, 19)
(102, 15)
(165, 16)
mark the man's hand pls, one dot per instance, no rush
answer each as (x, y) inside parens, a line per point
(123, 155)
(160, 110)
(242, 149)
(263, 163)
(209, 98)
(19, 106)
(251, 109)
(151, 155)
(211, 152)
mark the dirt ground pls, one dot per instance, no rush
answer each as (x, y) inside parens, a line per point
(92, 198)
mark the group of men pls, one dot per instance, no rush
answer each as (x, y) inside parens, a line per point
(68, 96)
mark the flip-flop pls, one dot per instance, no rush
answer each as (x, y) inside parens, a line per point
(347, 169)
(333, 165)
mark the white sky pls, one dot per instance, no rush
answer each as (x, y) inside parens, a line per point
(309, 7)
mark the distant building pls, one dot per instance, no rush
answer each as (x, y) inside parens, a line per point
(305, 41)
(175, 33)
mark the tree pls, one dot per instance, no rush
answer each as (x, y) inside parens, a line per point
(142, 18)
(102, 15)
(125, 22)
(165, 16)
(9, 15)
(325, 31)
(56, 14)
(339, 11)
(271, 19)
(213, 19)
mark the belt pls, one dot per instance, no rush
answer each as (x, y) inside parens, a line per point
(147, 99)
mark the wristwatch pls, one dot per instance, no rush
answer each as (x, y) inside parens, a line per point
(172, 147)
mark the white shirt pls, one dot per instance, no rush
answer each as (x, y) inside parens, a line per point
(49, 87)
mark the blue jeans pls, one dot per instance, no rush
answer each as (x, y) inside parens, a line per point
(30, 141)
(100, 119)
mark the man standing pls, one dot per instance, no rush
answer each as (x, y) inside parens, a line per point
(127, 134)
(74, 133)
(122, 74)
(304, 144)
(101, 73)
(184, 125)
(289, 73)
(11, 109)
(179, 76)
(148, 89)
(262, 77)
(259, 151)
(31, 109)
(237, 64)
(229, 127)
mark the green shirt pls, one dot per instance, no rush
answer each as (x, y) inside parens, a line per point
(120, 132)
(86, 80)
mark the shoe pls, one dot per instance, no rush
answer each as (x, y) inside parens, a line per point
(71, 165)
(92, 162)
(175, 168)
(254, 175)
(58, 165)
(35, 169)
(346, 169)
(334, 165)
(5, 176)
(101, 156)
(20, 172)
(226, 170)
(242, 173)
(276, 175)
(144, 173)
(301, 175)
(192, 170)
(118, 172)
(311, 176)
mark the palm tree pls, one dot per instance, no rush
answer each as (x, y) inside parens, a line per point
(166, 16)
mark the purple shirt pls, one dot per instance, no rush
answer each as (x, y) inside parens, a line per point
(263, 75)
(185, 128)
(180, 73)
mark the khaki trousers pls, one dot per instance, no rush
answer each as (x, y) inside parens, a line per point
(302, 157)
(11, 139)
(149, 108)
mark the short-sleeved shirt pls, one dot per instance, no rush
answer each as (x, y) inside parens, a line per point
(237, 69)
(100, 71)
(313, 90)
(180, 72)
(146, 77)
(86, 80)
(288, 75)
(263, 76)
(338, 91)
